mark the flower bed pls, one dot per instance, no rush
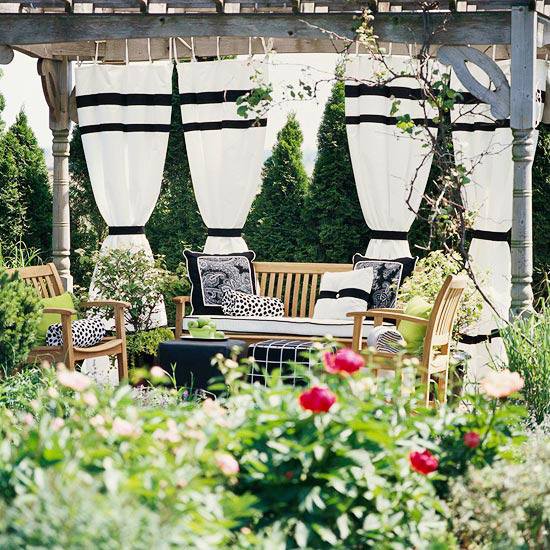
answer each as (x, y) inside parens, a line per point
(337, 464)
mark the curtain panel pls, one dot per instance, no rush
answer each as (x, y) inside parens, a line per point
(483, 146)
(124, 118)
(225, 150)
(391, 167)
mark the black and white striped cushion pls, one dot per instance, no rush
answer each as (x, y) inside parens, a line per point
(386, 339)
(86, 333)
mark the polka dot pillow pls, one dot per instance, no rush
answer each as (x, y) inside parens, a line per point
(241, 304)
(86, 333)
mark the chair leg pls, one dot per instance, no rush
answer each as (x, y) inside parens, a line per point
(122, 362)
(442, 384)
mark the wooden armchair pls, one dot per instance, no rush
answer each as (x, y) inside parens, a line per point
(45, 279)
(434, 361)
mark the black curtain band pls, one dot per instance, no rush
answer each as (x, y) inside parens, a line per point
(127, 230)
(225, 232)
(388, 235)
(497, 236)
(479, 338)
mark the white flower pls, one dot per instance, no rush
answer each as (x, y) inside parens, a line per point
(227, 464)
(97, 421)
(123, 428)
(90, 399)
(158, 372)
(57, 423)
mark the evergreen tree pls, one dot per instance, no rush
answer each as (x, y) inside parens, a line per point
(274, 229)
(12, 210)
(34, 186)
(176, 222)
(335, 225)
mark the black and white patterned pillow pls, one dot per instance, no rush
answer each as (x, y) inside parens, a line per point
(387, 339)
(240, 304)
(388, 276)
(86, 333)
(212, 274)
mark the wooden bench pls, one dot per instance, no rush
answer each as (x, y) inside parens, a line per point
(46, 281)
(296, 284)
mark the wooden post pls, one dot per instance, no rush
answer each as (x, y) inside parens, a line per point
(523, 122)
(57, 85)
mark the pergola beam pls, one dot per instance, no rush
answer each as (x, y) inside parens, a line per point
(491, 27)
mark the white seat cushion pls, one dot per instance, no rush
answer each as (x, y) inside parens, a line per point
(292, 326)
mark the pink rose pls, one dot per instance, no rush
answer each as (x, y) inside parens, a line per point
(227, 464)
(123, 428)
(472, 439)
(74, 380)
(317, 399)
(158, 372)
(344, 361)
(90, 399)
(423, 462)
(501, 383)
(57, 424)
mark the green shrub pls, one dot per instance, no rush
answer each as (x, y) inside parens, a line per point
(146, 343)
(428, 278)
(20, 314)
(527, 342)
(18, 391)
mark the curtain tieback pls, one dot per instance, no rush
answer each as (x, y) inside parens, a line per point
(127, 230)
(217, 232)
(502, 236)
(479, 338)
(388, 235)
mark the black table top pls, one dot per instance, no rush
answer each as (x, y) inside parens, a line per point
(212, 343)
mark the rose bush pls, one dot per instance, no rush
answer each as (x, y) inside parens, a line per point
(254, 470)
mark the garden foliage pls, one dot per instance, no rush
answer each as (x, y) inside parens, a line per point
(20, 314)
(257, 469)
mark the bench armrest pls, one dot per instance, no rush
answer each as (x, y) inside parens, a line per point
(180, 302)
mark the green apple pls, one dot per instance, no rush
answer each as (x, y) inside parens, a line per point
(212, 325)
(219, 334)
(203, 321)
(192, 324)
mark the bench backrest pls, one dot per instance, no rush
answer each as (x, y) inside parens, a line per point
(44, 278)
(296, 284)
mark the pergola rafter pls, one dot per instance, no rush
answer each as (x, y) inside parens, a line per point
(60, 31)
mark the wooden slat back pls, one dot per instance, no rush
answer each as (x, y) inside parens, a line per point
(297, 284)
(44, 278)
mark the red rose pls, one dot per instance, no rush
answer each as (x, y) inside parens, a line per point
(317, 399)
(289, 475)
(344, 361)
(472, 440)
(423, 462)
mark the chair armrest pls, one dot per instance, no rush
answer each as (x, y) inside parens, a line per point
(180, 302)
(63, 311)
(381, 314)
(106, 303)
(386, 310)
(181, 299)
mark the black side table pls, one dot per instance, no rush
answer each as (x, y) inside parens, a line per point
(192, 359)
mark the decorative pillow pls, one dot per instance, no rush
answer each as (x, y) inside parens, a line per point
(343, 292)
(413, 332)
(86, 333)
(240, 304)
(212, 274)
(65, 301)
(388, 276)
(386, 339)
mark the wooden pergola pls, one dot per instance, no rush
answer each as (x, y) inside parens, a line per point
(59, 32)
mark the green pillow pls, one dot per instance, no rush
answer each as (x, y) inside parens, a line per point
(64, 300)
(413, 333)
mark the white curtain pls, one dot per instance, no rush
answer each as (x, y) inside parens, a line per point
(483, 146)
(124, 118)
(391, 167)
(225, 150)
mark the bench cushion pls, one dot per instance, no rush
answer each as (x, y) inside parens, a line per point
(285, 326)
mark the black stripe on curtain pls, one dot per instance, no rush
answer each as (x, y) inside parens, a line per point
(398, 92)
(119, 127)
(387, 120)
(126, 100)
(480, 126)
(221, 124)
(204, 98)
(467, 98)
